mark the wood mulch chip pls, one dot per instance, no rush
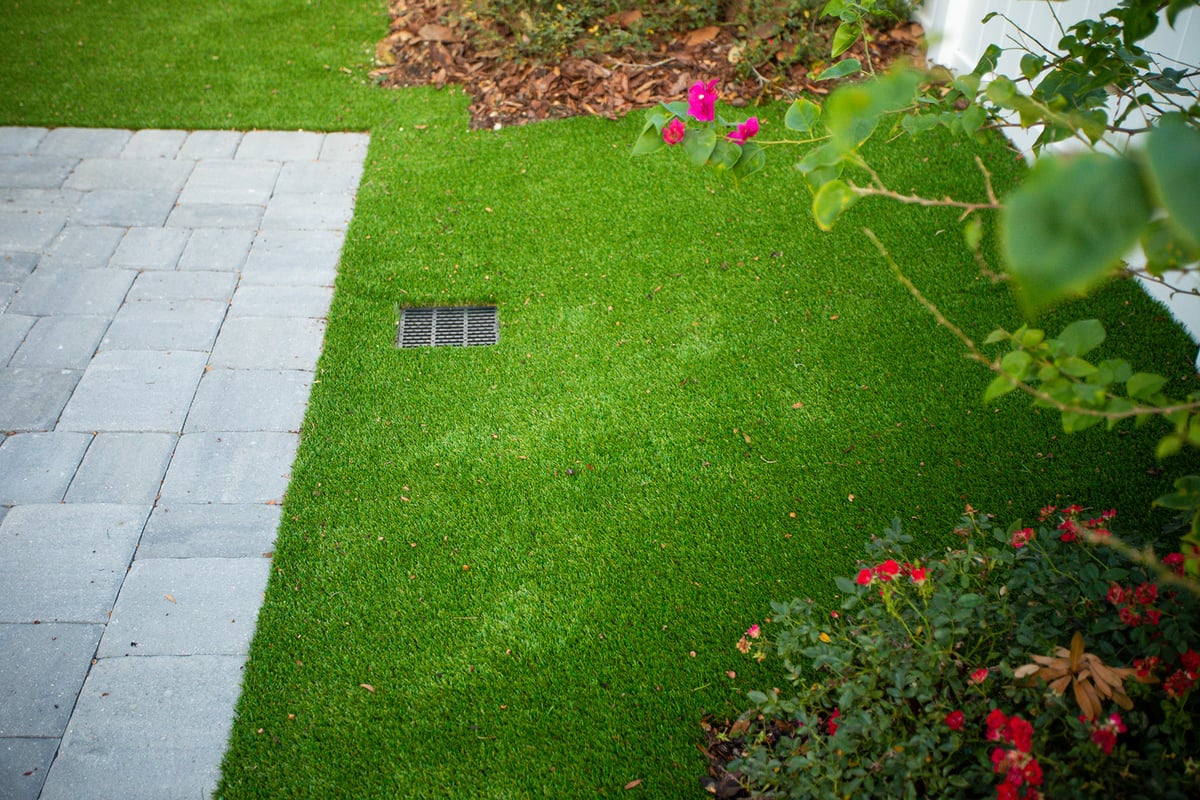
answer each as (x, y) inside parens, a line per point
(422, 49)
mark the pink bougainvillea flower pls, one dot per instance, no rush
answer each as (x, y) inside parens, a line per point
(864, 577)
(1191, 662)
(673, 133)
(1174, 562)
(754, 631)
(978, 677)
(1045, 512)
(746, 130)
(919, 575)
(955, 720)
(743, 646)
(702, 99)
(832, 722)
(1069, 531)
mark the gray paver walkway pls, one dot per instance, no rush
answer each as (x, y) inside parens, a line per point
(162, 305)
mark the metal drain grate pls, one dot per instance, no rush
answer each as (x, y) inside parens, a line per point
(457, 326)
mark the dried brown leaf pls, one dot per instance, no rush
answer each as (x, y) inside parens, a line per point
(1026, 670)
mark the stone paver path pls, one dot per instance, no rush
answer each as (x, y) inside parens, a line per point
(163, 297)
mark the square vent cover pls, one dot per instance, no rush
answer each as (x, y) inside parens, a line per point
(453, 326)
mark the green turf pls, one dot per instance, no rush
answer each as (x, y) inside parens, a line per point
(539, 555)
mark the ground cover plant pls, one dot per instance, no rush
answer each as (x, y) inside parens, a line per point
(521, 570)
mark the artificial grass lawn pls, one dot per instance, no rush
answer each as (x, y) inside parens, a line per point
(539, 555)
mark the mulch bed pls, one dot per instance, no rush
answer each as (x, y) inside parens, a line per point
(422, 49)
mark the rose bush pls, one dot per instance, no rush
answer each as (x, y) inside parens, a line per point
(1025, 662)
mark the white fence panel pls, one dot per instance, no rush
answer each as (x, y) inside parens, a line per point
(958, 38)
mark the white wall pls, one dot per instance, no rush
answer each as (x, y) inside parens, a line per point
(958, 38)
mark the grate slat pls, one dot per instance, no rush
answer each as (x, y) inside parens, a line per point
(448, 326)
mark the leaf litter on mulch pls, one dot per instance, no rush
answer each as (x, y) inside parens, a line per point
(424, 46)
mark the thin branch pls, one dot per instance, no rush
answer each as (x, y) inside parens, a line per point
(1151, 278)
(1146, 557)
(975, 354)
(912, 199)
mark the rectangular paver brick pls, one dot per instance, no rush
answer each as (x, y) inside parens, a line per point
(210, 144)
(67, 341)
(318, 177)
(32, 399)
(221, 249)
(223, 401)
(186, 607)
(155, 174)
(13, 328)
(84, 142)
(216, 215)
(189, 285)
(150, 248)
(84, 247)
(134, 390)
(150, 728)
(65, 562)
(239, 182)
(293, 258)
(281, 301)
(42, 668)
(269, 343)
(20, 141)
(154, 143)
(168, 325)
(38, 467)
(124, 207)
(58, 290)
(15, 267)
(30, 231)
(230, 468)
(212, 530)
(345, 147)
(35, 172)
(125, 468)
(24, 763)
(308, 212)
(281, 146)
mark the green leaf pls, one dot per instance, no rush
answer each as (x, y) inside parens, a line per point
(1074, 422)
(1000, 386)
(845, 36)
(756, 697)
(1144, 386)
(802, 116)
(998, 335)
(830, 201)
(1069, 224)
(821, 165)
(1172, 161)
(1075, 367)
(1031, 65)
(678, 108)
(1167, 447)
(915, 124)
(725, 154)
(699, 144)
(988, 61)
(1165, 249)
(753, 159)
(847, 66)
(650, 141)
(973, 232)
(1016, 363)
(1080, 338)
(972, 119)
